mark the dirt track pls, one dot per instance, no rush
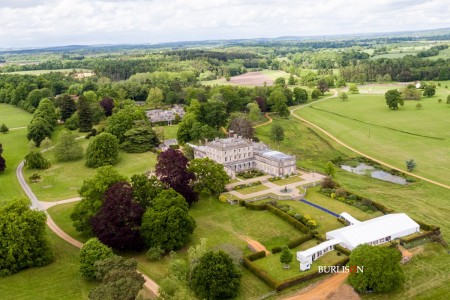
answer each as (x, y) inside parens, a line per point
(330, 288)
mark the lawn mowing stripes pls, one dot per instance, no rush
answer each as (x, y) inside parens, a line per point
(321, 208)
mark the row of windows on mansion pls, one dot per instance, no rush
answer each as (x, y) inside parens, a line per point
(238, 154)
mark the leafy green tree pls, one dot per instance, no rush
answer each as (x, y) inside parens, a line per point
(253, 112)
(343, 96)
(411, 165)
(155, 97)
(92, 194)
(141, 138)
(84, 114)
(67, 106)
(277, 133)
(291, 80)
(123, 120)
(188, 152)
(23, 242)
(167, 222)
(213, 113)
(119, 285)
(215, 277)
(46, 110)
(91, 252)
(276, 96)
(429, 90)
(281, 108)
(315, 94)
(4, 129)
(301, 95)
(47, 143)
(103, 150)
(329, 169)
(38, 130)
(322, 86)
(382, 271)
(286, 257)
(210, 176)
(67, 148)
(411, 93)
(73, 122)
(393, 99)
(114, 262)
(280, 81)
(353, 89)
(35, 160)
(145, 189)
(34, 97)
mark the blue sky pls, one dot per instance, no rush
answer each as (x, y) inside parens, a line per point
(39, 23)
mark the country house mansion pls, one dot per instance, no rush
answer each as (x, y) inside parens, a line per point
(238, 154)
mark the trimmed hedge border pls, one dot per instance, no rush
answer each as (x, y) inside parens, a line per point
(261, 274)
(278, 212)
(256, 255)
(406, 240)
(342, 249)
(427, 227)
(301, 278)
(294, 243)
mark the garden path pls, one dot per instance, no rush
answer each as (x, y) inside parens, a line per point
(255, 245)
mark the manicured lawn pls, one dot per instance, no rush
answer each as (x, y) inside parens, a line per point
(63, 179)
(59, 280)
(14, 148)
(170, 131)
(13, 116)
(289, 180)
(253, 189)
(61, 215)
(310, 149)
(365, 123)
(274, 268)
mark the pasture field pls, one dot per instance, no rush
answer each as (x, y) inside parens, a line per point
(58, 280)
(63, 179)
(365, 123)
(14, 149)
(250, 79)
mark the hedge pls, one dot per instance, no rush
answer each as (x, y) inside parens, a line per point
(320, 237)
(342, 249)
(286, 217)
(301, 278)
(252, 206)
(427, 227)
(256, 255)
(299, 241)
(261, 274)
(294, 243)
(340, 220)
(422, 235)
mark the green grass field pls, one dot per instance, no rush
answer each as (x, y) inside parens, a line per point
(14, 149)
(365, 123)
(291, 179)
(63, 179)
(58, 280)
(170, 131)
(252, 189)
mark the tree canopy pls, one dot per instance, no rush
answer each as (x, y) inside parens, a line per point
(393, 99)
(67, 148)
(209, 176)
(382, 271)
(167, 222)
(103, 150)
(91, 252)
(23, 242)
(117, 222)
(215, 276)
(141, 138)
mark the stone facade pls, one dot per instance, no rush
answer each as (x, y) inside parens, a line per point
(160, 115)
(238, 154)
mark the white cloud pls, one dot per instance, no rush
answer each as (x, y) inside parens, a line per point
(57, 22)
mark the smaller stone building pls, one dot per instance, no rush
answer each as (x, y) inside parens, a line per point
(162, 116)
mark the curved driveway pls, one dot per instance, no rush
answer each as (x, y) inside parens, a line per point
(38, 205)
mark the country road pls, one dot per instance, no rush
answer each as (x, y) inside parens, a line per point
(38, 205)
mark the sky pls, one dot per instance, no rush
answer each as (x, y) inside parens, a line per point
(41, 23)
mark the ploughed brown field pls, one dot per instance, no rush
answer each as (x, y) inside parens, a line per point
(252, 78)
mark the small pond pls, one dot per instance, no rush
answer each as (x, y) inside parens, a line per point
(363, 169)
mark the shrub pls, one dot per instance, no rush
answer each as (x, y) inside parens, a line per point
(340, 192)
(223, 198)
(328, 183)
(35, 177)
(311, 224)
(256, 255)
(154, 253)
(35, 160)
(103, 150)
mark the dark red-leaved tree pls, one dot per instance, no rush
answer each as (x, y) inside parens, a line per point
(171, 169)
(261, 103)
(107, 104)
(119, 219)
(2, 160)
